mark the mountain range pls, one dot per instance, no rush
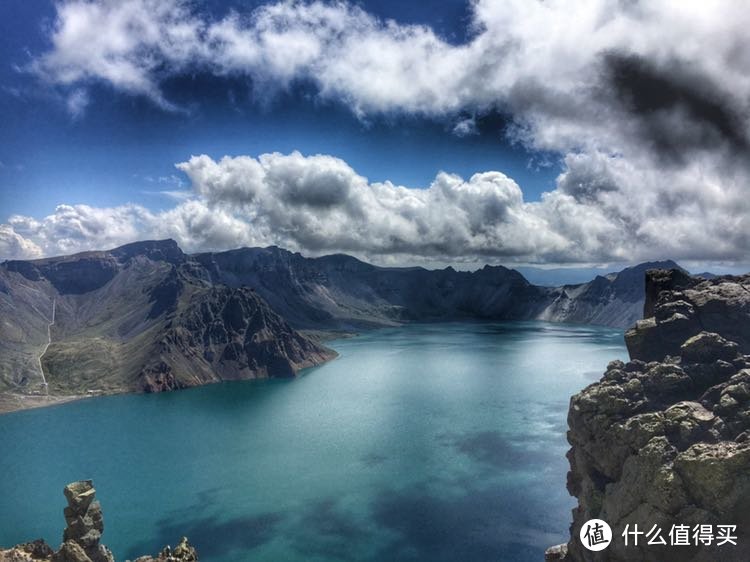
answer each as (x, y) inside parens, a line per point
(146, 317)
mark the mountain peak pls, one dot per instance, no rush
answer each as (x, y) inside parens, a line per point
(158, 250)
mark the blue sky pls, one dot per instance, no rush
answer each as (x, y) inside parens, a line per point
(463, 132)
(119, 148)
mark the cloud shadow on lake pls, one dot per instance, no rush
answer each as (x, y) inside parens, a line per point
(211, 536)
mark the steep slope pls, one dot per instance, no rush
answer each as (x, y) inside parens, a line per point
(147, 317)
(342, 292)
(615, 300)
(664, 439)
(138, 318)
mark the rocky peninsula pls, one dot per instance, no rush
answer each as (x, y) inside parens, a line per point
(664, 439)
(82, 536)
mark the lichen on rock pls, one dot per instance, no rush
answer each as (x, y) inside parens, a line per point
(664, 439)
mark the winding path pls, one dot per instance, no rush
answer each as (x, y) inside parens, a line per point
(49, 341)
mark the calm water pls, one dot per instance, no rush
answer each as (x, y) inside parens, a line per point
(439, 442)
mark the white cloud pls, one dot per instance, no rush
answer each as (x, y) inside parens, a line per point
(73, 228)
(319, 204)
(647, 103)
(77, 102)
(15, 246)
(539, 59)
(465, 127)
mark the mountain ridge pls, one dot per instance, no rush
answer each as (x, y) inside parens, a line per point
(138, 318)
(147, 317)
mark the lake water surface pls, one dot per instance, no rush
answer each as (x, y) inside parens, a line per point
(442, 442)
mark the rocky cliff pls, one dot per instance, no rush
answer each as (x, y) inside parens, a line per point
(614, 300)
(664, 439)
(82, 536)
(144, 318)
(341, 292)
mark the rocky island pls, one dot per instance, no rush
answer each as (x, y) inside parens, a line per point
(82, 535)
(664, 439)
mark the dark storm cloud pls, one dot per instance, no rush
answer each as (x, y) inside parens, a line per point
(678, 110)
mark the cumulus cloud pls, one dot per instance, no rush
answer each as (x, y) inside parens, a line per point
(73, 228)
(13, 245)
(647, 104)
(319, 204)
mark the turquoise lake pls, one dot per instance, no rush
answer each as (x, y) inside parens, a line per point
(440, 442)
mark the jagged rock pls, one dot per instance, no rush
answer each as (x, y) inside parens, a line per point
(82, 534)
(71, 551)
(664, 439)
(678, 307)
(30, 551)
(708, 347)
(85, 526)
(183, 552)
(555, 553)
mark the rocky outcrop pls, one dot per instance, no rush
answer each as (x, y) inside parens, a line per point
(614, 300)
(144, 317)
(82, 535)
(664, 439)
(678, 306)
(85, 525)
(183, 552)
(26, 552)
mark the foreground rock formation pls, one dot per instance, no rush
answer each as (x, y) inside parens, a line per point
(85, 526)
(82, 535)
(664, 439)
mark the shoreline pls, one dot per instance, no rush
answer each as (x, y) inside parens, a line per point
(14, 402)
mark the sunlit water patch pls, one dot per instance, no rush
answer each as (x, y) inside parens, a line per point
(426, 443)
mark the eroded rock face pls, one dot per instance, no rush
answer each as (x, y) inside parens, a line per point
(35, 550)
(85, 525)
(82, 535)
(664, 438)
(678, 307)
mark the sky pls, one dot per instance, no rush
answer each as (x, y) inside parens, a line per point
(451, 132)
